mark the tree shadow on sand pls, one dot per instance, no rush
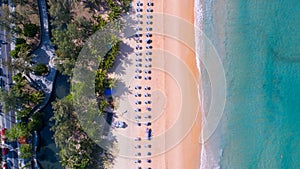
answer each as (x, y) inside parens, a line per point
(122, 60)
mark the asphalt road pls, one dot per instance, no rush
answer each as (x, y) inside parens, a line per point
(7, 120)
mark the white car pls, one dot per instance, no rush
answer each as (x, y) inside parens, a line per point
(119, 124)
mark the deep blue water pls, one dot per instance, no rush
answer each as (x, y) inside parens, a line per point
(260, 127)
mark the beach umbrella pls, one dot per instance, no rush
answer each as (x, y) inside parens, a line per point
(150, 4)
(148, 46)
(138, 87)
(148, 146)
(138, 35)
(149, 16)
(137, 139)
(137, 117)
(137, 95)
(147, 71)
(149, 34)
(148, 124)
(148, 102)
(137, 154)
(147, 116)
(149, 10)
(147, 78)
(137, 146)
(138, 28)
(148, 53)
(138, 102)
(148, 29)
(137, 161)
(148, 65)
(149, 40)
(148, 59)
(149, 23)
(138, 71)
(138, 53)
(139, 3)
(138, 65)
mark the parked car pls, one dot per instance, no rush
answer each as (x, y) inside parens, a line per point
(120, 124)
(4, 151)
(3, 131)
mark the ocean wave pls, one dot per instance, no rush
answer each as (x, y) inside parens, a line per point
(208, 157)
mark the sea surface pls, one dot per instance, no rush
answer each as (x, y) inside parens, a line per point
(258, 42)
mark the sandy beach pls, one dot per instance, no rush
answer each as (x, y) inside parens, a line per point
(176, 116)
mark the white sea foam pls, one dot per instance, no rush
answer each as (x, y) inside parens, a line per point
(198, 11)
(208, 157)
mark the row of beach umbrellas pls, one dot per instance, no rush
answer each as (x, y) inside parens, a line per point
(146, 71)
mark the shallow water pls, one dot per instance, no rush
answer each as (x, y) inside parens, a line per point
(261, 57)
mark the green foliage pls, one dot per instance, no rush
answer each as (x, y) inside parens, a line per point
(23, 113)
(40, 69)
(26, 151)
(36, 97)
(20, 41)
(66, 129)
(60, 12)
(20, 96)
(69, 35)
(8, 101)
(35, 123)
(23, 47)
(13, 53)
(30, 30)
(18, 130)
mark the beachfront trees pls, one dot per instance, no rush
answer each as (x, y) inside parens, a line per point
(8, 101)
(35, 122)
(26, 151)
(76, 149)
(21, 95)
(75, 146)
(23, 47)
(18, 130)
(30, 30)
(60, 12)
(40, 69)
(21, 61)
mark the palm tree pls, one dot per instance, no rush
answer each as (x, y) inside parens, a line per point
(22, 63)
(36, 97)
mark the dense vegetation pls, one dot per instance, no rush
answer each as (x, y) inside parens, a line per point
(20, 96)
(40, 69)
(70, 30)
(30, 30)
(26, 151)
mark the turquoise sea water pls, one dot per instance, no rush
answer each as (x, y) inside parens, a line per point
(260, 127)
